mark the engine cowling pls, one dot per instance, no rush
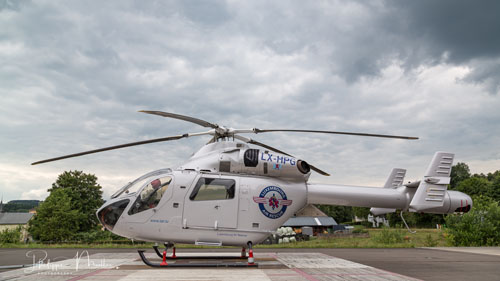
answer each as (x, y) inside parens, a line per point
(264, 163)
(270, 163)
(230, 157)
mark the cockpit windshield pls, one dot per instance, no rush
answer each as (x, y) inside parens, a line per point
(150, 195)
(137, 183)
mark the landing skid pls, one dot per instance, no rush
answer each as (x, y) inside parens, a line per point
(164, 257)
(175, 257)
(164, 263)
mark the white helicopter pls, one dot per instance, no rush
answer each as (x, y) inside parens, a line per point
(231, 194)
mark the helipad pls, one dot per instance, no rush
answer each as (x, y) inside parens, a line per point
(272, 266)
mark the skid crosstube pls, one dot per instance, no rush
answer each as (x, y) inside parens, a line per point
(147, 262)
(197, 257)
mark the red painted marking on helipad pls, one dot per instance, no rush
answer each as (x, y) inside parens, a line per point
(88, 274)
(305, 275)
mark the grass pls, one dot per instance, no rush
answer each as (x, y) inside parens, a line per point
(378, 238)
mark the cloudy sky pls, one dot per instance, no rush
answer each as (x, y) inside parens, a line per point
(73, 75)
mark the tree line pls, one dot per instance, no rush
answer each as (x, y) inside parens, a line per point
(20, 206)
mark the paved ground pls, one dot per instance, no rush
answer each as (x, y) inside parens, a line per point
(430, 263)
(276, 264)
(495, 251)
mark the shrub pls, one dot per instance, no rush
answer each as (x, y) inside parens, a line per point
(359, 229)
(11, 235)
(96, 236)
(429, 241)
(479, 227)
(387, 236)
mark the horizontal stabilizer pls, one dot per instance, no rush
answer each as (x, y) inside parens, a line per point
(381, 211)
(432, 189)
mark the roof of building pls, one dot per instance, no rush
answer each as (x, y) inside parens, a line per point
(310, 211)
(310, 221)
(15, 218)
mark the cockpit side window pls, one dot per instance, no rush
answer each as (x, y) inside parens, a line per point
(110, 214)
(213, 189)
(150, 195)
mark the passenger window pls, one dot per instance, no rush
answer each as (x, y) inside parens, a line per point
(150, 195)
(213, 189)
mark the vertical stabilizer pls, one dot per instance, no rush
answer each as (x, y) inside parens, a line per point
(394, 180)
(432, 189)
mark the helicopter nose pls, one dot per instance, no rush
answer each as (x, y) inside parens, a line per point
(109, 214)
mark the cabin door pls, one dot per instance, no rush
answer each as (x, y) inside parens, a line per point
(212, 202)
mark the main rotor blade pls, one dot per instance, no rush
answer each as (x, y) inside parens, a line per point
(251, 141)
(335, 132)
(182, 117)
(111, 148)
(323, 173)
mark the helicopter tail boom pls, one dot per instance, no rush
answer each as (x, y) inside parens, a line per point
(383, 200)
(394, 180)
(429, 195)
(358, 196)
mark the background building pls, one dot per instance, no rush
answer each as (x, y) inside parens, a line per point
(311, 216)
(13, 220)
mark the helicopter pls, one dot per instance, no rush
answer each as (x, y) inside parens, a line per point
(231, 194)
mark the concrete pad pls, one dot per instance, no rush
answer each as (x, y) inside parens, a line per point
(196, 274)
(317, 266)
(272, 266)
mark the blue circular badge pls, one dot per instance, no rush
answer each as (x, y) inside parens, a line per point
(272, 202)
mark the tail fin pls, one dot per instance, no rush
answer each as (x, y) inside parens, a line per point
(394, 180)
(432, 189)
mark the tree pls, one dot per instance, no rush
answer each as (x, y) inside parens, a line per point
(70, 208)
(339, 213)
(459, 172)
(475, 186)
(428, 220)
(361, 212)
(395, 219)
(85, 196)
(491, 176)
(415, 219)
(55, 220)
(495, 188)
(479, 227)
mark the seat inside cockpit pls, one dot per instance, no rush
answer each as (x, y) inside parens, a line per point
(150, 195)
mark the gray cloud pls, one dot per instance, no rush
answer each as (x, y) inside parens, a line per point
(456, 32)
(463, 29)
(72, 75)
